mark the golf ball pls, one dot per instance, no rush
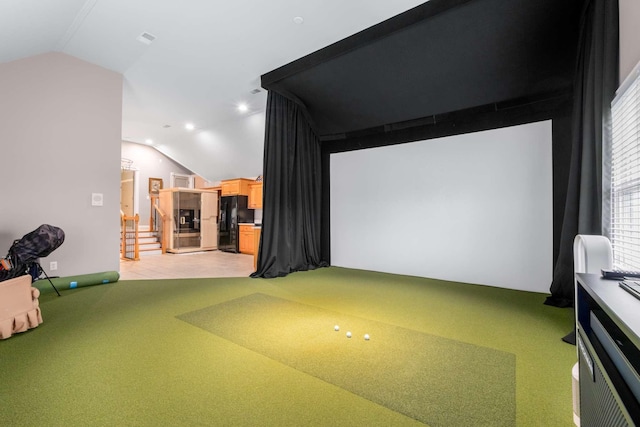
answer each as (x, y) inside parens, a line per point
(348, 334)
(336, 328)
(366, 337)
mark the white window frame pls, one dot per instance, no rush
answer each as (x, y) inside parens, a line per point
(190, 179)
(625, 174)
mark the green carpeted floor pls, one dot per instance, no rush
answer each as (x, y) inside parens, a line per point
(432, 379)
(129, 353)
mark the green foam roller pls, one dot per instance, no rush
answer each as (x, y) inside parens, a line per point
(72, 282)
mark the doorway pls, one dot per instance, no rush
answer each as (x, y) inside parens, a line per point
(127, 178)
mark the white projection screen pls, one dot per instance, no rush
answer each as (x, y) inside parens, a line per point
(473, 208)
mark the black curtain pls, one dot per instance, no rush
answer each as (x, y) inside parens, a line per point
(595, 84)
(292, 189)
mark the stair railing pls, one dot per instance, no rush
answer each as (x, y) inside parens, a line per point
(130, 241)
(159, 223)
(153, 214)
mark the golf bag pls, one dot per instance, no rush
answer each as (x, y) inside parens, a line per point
(24, 254)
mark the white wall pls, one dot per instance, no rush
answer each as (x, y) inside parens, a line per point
(474, 208)
(151, 164)
(629, 36)
(233, 150)
(60, 126)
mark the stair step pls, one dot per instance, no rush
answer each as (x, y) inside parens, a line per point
(145, 233)
(145, 240)
(150, 252)
(148, 246)
(148, 243)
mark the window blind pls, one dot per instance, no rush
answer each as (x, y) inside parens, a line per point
(625, 174)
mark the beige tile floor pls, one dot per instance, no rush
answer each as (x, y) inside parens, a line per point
(188, 265)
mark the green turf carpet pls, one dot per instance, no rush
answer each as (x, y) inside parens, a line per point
(438, 381)
(118, 355)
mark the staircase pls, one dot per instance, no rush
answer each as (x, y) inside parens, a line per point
(148, 241)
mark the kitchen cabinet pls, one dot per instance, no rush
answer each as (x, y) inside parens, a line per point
(246, 244)
(235, 187)
(255, 195)
(256, 246)
(193, 219)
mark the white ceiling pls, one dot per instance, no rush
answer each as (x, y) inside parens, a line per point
(207, 58)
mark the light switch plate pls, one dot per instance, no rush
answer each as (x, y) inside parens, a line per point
(97, 199)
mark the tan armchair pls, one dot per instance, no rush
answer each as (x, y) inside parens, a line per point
(19, 306)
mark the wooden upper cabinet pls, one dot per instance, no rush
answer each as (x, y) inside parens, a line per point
(235, 187)
(255, 195)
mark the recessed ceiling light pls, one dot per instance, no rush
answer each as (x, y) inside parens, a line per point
(189, 126)
(298, 20)
(243, 108)
(149, 141)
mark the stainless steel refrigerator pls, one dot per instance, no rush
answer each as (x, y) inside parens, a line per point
(233, 211)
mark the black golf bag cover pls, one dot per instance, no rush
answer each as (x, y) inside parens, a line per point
(36, 244)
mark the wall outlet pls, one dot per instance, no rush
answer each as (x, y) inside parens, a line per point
(53, 265)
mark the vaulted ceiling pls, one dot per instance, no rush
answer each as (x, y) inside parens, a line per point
(207, 58)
